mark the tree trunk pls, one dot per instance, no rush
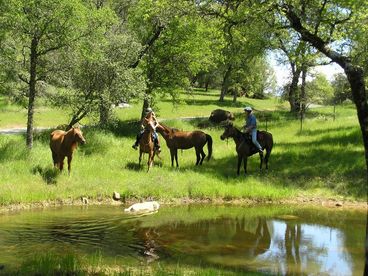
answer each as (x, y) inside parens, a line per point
(356, 79)
(302, 99)
(207, 83)
(293, 89)
(104, 110)
(147, 97)
(225, 83)
(79, 115)
(146, 104)
(235, 95)
(32, 91)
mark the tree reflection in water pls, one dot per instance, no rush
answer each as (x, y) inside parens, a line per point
(221, 241)
(271, 240)
(292, 244)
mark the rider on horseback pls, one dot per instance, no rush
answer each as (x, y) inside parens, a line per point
(149, 113)
(251, 127)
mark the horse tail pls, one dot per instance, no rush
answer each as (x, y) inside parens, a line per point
(209, 146)
(270, 144)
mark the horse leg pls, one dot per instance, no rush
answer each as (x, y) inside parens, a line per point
(239, 164)
(140, 157)
(153, 153)
(261, 159)
(172, 154)
(149, 162)
(176, 157)
(268, 152)
(245, 164)
(56, 158)
(198, 156)
(61, 163)
(203, 156)
(69, 163)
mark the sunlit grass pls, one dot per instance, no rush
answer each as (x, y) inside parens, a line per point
(326, 156)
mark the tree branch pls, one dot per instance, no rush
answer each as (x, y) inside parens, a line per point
(24, 79)
(149, 44)
(312, 38)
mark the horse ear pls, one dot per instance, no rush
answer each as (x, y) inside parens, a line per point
(76, 125)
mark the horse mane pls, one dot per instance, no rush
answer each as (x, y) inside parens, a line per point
(68, 138)
(239, 133)
(167, 128)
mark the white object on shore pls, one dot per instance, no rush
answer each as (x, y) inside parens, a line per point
(149, 206)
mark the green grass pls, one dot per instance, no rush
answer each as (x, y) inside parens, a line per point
(325, 159)
(72, 264)
(16, 116)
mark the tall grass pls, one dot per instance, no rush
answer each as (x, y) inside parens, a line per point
(73, 264)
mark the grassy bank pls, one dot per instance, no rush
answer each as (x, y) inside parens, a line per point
(325, 159)
(52, 264)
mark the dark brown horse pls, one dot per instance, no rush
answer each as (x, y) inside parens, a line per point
(62, 144)
(245, 147)
(146, 143)
(176, 139)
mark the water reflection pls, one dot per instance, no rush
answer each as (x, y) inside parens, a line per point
(272, 240)
(299, 248)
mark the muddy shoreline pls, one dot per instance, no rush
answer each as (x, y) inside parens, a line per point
(300, 201)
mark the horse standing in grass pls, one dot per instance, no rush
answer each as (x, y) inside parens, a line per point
(63, 143)
(245, 146)
(146, 143)
(176, 139)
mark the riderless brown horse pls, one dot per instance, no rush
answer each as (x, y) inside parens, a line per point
(176, 139)
(245, 147)
(62, 144)
(146, 143)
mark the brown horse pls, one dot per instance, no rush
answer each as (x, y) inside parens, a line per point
(146, 143)
(62, 144)
(245, 147)
(176, 139)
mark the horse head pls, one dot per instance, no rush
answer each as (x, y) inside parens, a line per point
(78, 136)
(163, 129)
(230, 131)
(150, 125)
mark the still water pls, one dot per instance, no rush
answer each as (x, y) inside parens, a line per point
(268, 239)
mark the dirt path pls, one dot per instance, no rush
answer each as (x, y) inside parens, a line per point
(20, 130)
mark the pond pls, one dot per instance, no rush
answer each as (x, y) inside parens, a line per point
(265, 239)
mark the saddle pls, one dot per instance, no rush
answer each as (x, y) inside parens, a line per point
(260, 135)
(248, 140)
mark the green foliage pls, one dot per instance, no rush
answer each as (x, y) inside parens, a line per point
(254, 78)
(319, 90)
(244, 45)
(341, 87)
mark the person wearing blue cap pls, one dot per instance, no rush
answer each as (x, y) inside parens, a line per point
(251, 127)
(149, 112)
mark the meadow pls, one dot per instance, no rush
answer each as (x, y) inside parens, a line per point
(324, 159)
